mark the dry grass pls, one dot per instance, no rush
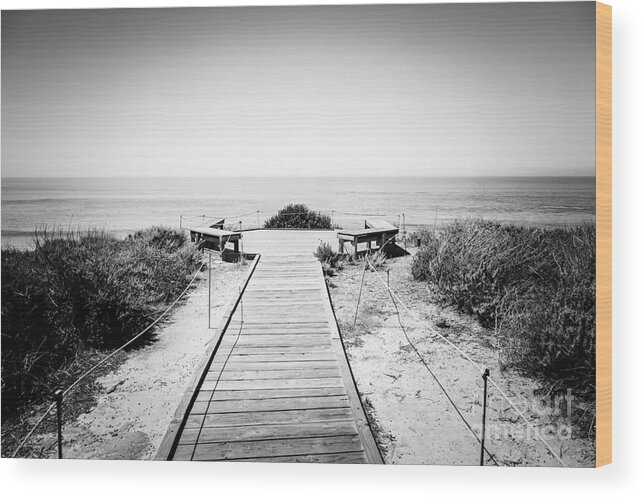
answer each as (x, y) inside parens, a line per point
(536, 287)
(78, 292)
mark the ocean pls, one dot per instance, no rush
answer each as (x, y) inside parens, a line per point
(123, 205)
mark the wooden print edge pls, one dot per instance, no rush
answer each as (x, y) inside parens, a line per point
(603, 234)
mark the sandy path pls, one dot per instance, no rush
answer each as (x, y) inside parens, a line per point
(139, 398)
(415, 422)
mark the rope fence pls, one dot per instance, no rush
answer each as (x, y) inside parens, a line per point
(59, 395)
(400, 220)
(261, 215)
(482, 371)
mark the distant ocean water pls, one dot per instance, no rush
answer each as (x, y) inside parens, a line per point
(123, 205)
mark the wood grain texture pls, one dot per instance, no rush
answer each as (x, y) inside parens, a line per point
(278, 386)
(169, 441)
(603, 234)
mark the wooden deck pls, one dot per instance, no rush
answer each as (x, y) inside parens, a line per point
(278, 386)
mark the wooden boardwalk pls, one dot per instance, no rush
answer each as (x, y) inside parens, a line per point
(278, 386)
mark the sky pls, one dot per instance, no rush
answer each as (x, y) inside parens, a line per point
(401, 90)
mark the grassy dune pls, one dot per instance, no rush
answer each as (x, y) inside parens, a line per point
(75, 294)
(535, 287)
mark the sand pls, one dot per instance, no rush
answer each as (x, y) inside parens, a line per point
(136, 401)
(414, 422)
(413, 419)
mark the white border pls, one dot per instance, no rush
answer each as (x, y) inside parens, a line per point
(97, 480)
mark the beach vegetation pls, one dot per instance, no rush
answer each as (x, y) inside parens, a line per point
(298, 216)
(80, 292)
(331, 260)
(535, 287)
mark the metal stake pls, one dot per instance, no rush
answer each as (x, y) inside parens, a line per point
(180, 221)
(404, 229)
(485, 375)
(359, 296)
(58, 396)
(209, 287)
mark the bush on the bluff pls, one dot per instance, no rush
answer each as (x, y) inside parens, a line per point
(298, 216)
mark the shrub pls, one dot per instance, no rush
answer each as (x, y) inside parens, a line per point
(329, 258)
(326, 254)
(378, 260)
(298, 216)
(79, 291)
(536, 285)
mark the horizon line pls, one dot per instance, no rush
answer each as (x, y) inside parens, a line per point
(290, 176)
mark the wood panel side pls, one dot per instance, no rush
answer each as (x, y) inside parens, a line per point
(603, 234)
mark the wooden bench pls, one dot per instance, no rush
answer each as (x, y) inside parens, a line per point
(378, 231)
(215, 237)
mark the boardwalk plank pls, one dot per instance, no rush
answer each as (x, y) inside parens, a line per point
(268, 432)
(336, 458)
(275, 417)
(263, 374)
(275, 448)
(276, 389)
(206, 395)
(277, 366)
(305, 356)
(274, 384)
(280, 404)
(276, 339)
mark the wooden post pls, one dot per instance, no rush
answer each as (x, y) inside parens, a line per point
(258, 223)
(485, 375)
(58, 396)
(180, 221)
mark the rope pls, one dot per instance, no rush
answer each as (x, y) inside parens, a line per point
(225, 363)
(426, 365)
(223, 246)
(536, 432)
(38, 423)
(455, 347)
(207, 217)
(103, 361)
(359, 214)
